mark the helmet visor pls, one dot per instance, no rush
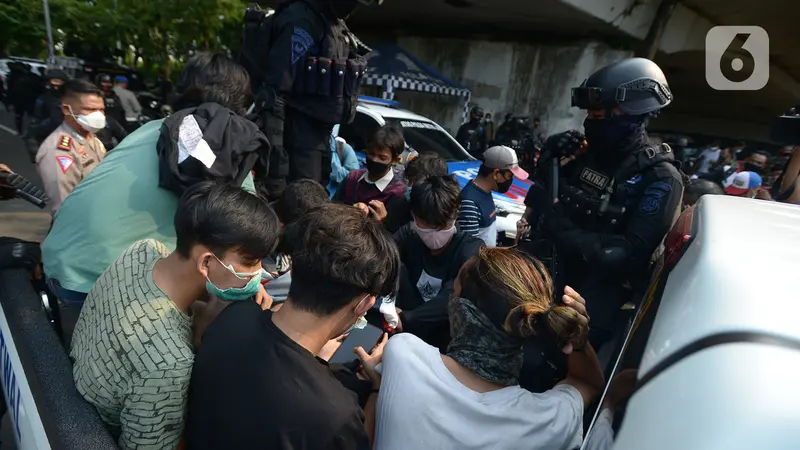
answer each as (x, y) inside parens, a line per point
(587, 97)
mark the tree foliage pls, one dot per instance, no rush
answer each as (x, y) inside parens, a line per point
(146, 33)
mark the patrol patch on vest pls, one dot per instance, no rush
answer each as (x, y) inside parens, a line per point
(653, 197)
(301, 42)
(65, 162)
(596, 179)
(64, 143)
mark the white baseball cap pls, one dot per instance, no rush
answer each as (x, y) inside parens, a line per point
(503, 158)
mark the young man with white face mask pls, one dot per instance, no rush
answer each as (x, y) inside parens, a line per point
(257, 380)
(71, 151)
(432, 252)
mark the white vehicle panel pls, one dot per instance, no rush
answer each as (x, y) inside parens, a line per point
(27, 426)
(728, 397)
(740, 273)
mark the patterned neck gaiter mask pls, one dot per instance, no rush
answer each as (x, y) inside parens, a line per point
(482, 347)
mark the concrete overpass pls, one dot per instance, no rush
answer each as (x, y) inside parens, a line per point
(522, 56)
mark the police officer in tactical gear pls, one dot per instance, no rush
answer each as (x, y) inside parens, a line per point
(114, 132)
(617, 199)
(472, 134)
(47, 115)
(306, 68)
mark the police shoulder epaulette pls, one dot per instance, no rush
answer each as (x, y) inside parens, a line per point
(64, 143)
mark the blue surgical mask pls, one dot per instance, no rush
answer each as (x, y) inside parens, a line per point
(408, 194)
(236, 294)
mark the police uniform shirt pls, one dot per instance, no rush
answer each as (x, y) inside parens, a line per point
(64, 159)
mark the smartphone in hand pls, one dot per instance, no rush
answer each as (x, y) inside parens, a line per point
(366, 338)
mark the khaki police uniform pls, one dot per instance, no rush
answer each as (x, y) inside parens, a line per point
(64, 159)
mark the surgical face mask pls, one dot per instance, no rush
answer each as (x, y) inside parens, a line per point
(361, 322)
(408, 194)
(92, 123)
(235, 294)
(432, 238)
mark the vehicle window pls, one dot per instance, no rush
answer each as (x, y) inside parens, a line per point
(358, 133)
(425, 137)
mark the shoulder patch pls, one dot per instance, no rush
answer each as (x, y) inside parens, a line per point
(64, 143)
(65, 162)
(653, 197)
(301, 43)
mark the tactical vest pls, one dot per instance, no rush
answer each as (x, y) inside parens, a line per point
(326, 85)
(592, 202)
(598, 200)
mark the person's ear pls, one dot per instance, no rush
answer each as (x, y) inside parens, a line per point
(203, 261)
(398, 159)
(364, 305)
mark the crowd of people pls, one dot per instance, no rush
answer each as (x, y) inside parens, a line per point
(206, 315)
(735, 169)
(168, 266)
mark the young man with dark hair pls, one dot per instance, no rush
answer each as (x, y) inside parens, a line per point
(298, 198)
(132, 347)
(256, 380)
(398, 210)
(72, 151)
(134, 194)
(432, 252)
(371, 188)
(478, 216)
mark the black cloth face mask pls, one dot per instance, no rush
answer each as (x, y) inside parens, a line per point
(482, 347)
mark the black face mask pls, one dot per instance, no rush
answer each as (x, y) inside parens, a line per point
(376, 168)
(609, 135)
(504, 186)
(750, 167)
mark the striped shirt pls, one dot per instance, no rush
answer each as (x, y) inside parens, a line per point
(477, 216)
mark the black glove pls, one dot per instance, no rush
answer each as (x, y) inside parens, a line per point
(564, 144)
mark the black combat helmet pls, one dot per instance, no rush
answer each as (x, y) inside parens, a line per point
(636, 85)
(56, 74)
(477, 112)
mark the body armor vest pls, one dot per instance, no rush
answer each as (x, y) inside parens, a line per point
(593, 201)
(326, 86)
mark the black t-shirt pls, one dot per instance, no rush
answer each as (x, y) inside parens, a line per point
(426, 283)
(254, 388)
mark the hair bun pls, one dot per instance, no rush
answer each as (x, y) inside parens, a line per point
(522, 320)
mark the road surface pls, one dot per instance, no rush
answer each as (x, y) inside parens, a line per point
(19, 218)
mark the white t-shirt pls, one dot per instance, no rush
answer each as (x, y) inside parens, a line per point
(708, 157)
(421, 405)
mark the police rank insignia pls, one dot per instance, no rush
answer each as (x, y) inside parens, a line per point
(596, 179)
(64, 143)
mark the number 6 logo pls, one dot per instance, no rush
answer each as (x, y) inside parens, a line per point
(737, 58)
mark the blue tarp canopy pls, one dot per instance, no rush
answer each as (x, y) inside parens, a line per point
(393, 68)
